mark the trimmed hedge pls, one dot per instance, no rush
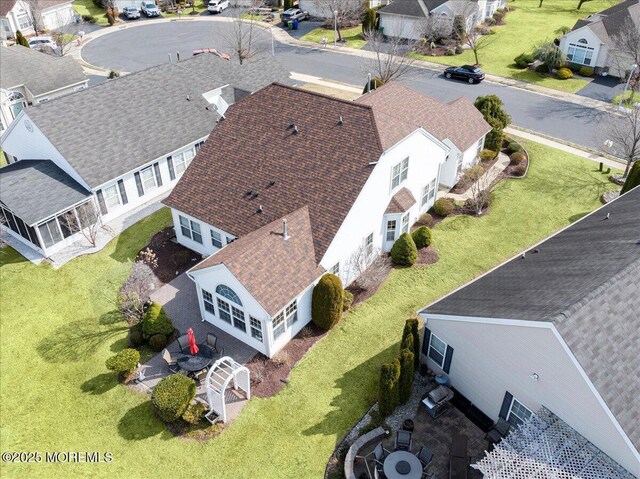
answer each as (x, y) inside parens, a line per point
(522, 61)
(195, 412)
(411, 326)
(157, 342)
(564, 73)
(347, 300)
(123, 362)
(586, 71)
(517, 157)
(443, 206)
(425, 220)
(407, 374)
(513, 147)
(388, 395)
(172, 395)
(135, 337)
(327, 301)
(422, 237)
(404, 251)
(156, 321)
(407, 342)
(520, 169)
(487, 155)
(633, 178)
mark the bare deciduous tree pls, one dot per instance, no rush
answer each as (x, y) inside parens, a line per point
(480, 189)
(86, 221)
(33, 9)
(64, 35)
(367, 267)
(435, 27)
(135, 293)
(626, 50)
(242, 40)
(624, 134)
(476, 41)
(342, 12)
(389, 60)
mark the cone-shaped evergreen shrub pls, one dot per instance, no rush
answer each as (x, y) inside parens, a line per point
(407, 370)
(327, 301)
(156, 321)
(20, 40)
(404, 251)
(388, 396)
(422, 237)
(411, 328)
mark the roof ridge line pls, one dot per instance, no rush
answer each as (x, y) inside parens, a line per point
(318, 94)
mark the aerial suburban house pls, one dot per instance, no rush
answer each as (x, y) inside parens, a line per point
(557, 328)
(23, 83)
(115, 147)
(591, 41)
(408, 18)
(20, 15)
(293, 184)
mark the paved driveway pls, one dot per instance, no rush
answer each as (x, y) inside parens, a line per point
(602, 88)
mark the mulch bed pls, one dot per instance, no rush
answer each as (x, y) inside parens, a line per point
(274, 372)
(426, 256)
(173, 259)
(465, 183)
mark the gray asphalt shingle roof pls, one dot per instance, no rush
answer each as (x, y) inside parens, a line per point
(412, 8)
(39, 72)
(37, 189)
(608, 24)
(113, 128)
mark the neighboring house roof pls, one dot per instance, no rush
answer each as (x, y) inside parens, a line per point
(117, 126)
(7, 5)
(584, 280)
(399, 110)
(411, 8)
(401, 202)
(263, 255)
(255, 158)
(37, 189)
(607, 24)
(38, 72)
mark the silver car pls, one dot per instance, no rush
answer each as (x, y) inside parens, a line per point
(131, 12)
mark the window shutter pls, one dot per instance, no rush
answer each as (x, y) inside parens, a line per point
(156, 169)
(172, 172)
(425, 342)
(138, 183)
(447, 359)
(506, 404)
(123, 192)
(101, 203)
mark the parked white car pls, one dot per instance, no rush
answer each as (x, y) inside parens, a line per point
(131, 12)
(150, 9)
(42, 43)
(217, 6)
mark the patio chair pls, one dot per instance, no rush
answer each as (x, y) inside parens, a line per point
(499, 430)
(379, 454)
(403, 441)
(212, 341)
(170, 360)
(425, 456)
(183, 342)
(202, 375)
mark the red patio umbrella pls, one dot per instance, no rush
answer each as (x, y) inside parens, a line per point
(193, 347)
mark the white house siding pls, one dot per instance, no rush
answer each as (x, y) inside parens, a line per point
(57, 17)
(599, 58)
(315, 7)
(401, 26)
(367, 216)
(304, 318)
(206, 248)
(457, 161)
(490, 359)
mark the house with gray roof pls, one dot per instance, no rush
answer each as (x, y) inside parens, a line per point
(29, 77)
(592, 40)
(22, 14)
(115, 147)
(557, 327)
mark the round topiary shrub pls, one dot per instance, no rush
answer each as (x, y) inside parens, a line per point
(124, 362)
(422, 237)
(513, 147)
(157, 342)
(542, 68)
(564, 73)
(156, 321)
(347, 300)
(586, 71)
(522, 61)
(517, 157)
(172, 395)
(135, 337)
(520, 169)
(487, 155)
(443, 206)
(404, 251)
(327, 301)
(195, 412)
(425, 220)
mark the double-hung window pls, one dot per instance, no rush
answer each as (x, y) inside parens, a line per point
(428, 193)
(291, 313)
(148, 178)
(111, 196)
(238, 319)
(391, 230)
(190, 229)
(224, 309)
(207, 299)
(368, 245)
(399, 173)
(405, 222)
(335, 269)
(181, 160)
(437, 350)
(278, 325)
(216, 239)
(518, 413)
(24, 22)
(256, 328)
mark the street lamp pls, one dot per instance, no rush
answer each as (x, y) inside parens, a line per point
(273, 46)
(335, 29)
(633, 69)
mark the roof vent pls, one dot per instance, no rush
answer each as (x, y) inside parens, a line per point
(608, 215)
(248, 193)
(295, 130)
(340, 121)
(524, 255)
(255, 195)
(188, 98)
(285, 234)
(259, 209)
(271, 183)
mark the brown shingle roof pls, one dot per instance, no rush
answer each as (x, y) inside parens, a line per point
(401, 202)
(324, 166)
(261, 258)
(399, 110)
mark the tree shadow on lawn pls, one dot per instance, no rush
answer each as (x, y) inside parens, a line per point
(100, 384)
(359, 388)
(141, 423)
(9, 256)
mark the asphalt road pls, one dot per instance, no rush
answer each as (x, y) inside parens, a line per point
(139, 48)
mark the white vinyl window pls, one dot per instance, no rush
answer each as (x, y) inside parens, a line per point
(428, 193)
(216, 239)
(111, 196)
(368, 244)
(224, 310)
(24, 21)
(207, 299)
(437, 350)
(391, 230)
(518, 413)
(148, 178)
(335, 269)
(182, 160)
(291, 313)
(238, 319)
(190, 229)
(278, 325)
(405, 222)
(399, 173)
(256, 328)
(580, 53)
(50, 233)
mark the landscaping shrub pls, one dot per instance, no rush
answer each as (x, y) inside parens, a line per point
(404, 251)
(459, 50)
(422, 237)
(288, 4)
(195, 412)
(327, 301)
(487, 155)
(517, 157)
(450, 52)
(372, 84)
(135, 337)
(113, 74)
(124, 362)
(520, 169)
(407, 374)
(98, 3)
(157, 342)
(523, 60)
(407, 341)
(411, 326)
(550, 55)
(425, 220)
(443, 206)
(542, 68)
(156, 322)
(564, 73)
(473, 204)
(489, 21)
(498, 16)
(633, 178)
(89, 18)
(459, 29)
(563, 30)
(347, 300)
(20, 40)
(513, 147)
(493, 140)
(388, 395)
(369, 20)
(493, 111)
(586, 71)
(172, 395)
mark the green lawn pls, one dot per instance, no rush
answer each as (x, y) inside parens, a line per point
(525, 27)
(352, 36)
(87, 7)
(58, 327)
(629, 100)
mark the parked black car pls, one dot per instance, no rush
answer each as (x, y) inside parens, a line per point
(466, 72)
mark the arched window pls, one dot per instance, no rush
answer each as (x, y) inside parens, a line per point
(583, 40)
(229, 312)
(580, 52)
(227, 292)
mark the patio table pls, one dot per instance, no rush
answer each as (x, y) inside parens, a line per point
(402, 465)
(196, 362)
